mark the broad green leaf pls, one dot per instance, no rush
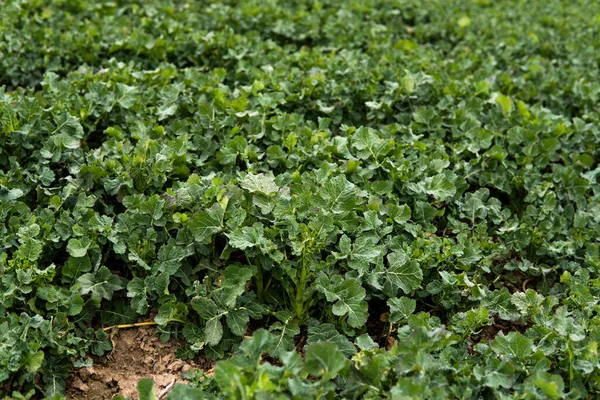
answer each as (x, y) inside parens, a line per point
(440, 187)
(68, 125)
(34, 361)
(285, 330)
(401, 308)
(126, 96)
(146, 390)
(137, 291)
(78, 247)
(75, 267)
(402, 273)
(165, 111)
(365, 342)
(324, 360)
(501, 302)
(261, 342)
(185, 392)
(472, 320)
(496, 374)
(237, 321)
(337, 195)
(7, 194)
(348, 298)
(31, 249)
(171, 311)
(236, 278)
(551, 385)
(153, 207)
(207, 223)
(206, 308)
(170, 257)
(213, 331)
(100, 284)
(527, 301)
(101, 343)
(328, 333)
(260, 183)
(400, 214)
(366, 141)
(505, 102)
(514, 345)
(464, 21)
(249, 236)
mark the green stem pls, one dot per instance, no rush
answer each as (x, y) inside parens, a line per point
(258, 280)
(300, 289)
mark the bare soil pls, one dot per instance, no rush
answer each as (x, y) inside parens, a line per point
(137, 353)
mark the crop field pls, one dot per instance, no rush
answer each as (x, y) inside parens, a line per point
(312, 199)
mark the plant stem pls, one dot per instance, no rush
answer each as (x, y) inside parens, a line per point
(136, 325)
(258, 279)
(299, 304)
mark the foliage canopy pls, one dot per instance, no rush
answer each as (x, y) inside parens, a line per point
(396, 199)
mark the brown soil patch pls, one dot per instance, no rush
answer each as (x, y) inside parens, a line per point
(137, 353)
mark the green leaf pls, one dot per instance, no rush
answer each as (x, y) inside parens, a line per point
(206, 308)
(285, 329)
(551, 385)
(528, 301)
(10, 195)
(400, 214)
(206, 223)
(126, 96)
(514, 345)
(261, 342)
(348, 297)
(213, 331)
(464, 21)
(337, 195)
(101, 343)
(364, 253)
(249, 236)
(185, 392)
(153, 207)
(318, 332)
(34, 361)
(470, 321)
(260, 183)
(236, 279)
(440, 187)
(237, 321)
(75, 267)
(67, 125)
(501, 302)
(365, 342)
(171, 311)
(401, 308)
(146, 390)
(170, 257)
(496, 374)
(402, 273)
(31, 249)
(165, 111)
(505, 102)
(324, 360)
(137, 291)
(101, 284)
(78, 247)
(367, 142)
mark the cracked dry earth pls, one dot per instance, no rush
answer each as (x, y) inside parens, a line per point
(137, 353)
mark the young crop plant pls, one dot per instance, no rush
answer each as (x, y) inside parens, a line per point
(325, 199)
